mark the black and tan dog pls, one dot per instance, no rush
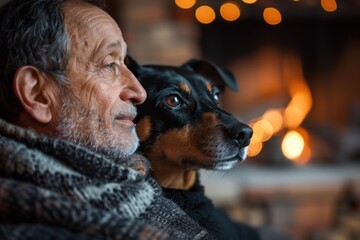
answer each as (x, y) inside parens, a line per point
(182, 128)
(181, 125)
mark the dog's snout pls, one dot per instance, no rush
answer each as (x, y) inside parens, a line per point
(241, 132)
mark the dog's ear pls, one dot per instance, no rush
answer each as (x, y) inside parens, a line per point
(220, 76)
(133, 65)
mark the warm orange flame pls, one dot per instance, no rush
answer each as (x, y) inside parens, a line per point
(299, 106)
(292, 117)
(329, 5)
(301, 99)
(295, 144)
(185, 4)
(230, 11)
(296, 83)
(205, 14)
(272, 16)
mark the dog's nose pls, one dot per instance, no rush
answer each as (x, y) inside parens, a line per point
(241, 132)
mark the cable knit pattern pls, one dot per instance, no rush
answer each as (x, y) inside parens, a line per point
(53, 189)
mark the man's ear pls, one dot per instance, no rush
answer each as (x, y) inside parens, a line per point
(30, 87)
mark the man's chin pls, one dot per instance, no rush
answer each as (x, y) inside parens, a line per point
(124, 146)
(117, 153)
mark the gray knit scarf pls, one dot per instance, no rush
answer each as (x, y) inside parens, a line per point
(53, 189)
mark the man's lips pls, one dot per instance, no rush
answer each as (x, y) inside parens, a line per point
(127, 121)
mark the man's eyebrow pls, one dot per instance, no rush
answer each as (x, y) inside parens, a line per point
(117, 45)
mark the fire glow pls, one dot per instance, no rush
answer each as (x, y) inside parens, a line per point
(295, 143)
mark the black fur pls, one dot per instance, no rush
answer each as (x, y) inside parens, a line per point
(160, 82)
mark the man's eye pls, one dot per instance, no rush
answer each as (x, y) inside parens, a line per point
(113, 67)
(110, 65)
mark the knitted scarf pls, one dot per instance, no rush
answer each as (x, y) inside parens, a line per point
(53, 189)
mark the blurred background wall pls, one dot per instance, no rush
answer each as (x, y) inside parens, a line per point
(297, 63)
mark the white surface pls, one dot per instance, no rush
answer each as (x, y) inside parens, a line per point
(226, 186)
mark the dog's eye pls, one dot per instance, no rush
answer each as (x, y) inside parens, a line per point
(173, 101)
(216, 96)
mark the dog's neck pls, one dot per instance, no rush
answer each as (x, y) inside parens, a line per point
(175, 177)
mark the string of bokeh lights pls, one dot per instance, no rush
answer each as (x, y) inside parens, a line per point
(231, 10)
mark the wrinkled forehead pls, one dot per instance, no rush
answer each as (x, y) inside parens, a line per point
(82, 13)
(88, 25)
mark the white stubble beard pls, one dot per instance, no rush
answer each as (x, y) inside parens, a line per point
(82, 125)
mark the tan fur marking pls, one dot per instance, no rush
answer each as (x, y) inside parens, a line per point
(185, 87)
(166, 158)
(143, 128)
(174, 177)
(209, 119)
(209, 86)
(175, 145)
(172, 147)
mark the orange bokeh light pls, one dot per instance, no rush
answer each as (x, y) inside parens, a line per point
(205, 14)
(263, 129)
(275, 118)
(304, 157)
(292, 145)
(272, 16)
(185, 4)
(230, 11)
(255, 148)
(249, 1)
(329, 5)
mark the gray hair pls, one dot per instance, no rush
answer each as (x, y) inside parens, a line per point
(32, 32)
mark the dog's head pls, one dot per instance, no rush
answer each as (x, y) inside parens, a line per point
(181, 123)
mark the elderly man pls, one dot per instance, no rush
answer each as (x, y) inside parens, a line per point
(67, 138)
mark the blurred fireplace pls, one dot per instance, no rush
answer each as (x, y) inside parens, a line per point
(316, 55)
(313, 65)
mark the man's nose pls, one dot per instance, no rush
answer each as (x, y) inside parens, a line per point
(133, 91)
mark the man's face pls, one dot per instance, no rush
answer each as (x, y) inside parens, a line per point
(98, 105)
